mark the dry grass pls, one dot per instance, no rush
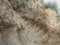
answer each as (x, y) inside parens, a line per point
(37, 27)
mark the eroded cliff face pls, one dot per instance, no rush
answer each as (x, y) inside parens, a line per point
(36, 27)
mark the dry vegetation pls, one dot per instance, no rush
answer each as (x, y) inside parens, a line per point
(24, 5)
(33, 27)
